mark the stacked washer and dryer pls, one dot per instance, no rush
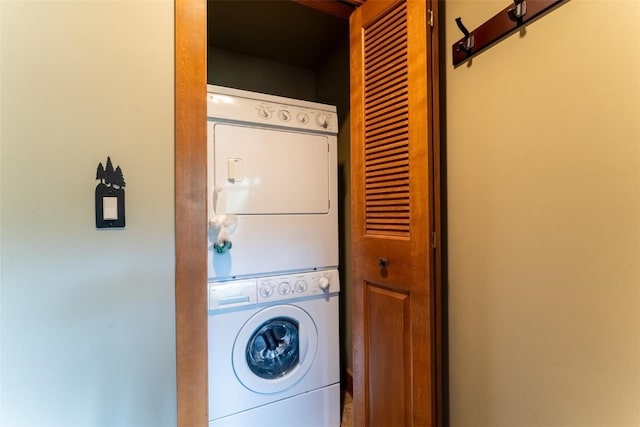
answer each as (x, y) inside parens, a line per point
(273, 256)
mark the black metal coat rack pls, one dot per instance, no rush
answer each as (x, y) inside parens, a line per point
(509, 20)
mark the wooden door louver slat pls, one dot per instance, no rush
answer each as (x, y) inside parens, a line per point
(396, 181)
(373, 98)
(386, 53)
(387, 84)
(382, 99)
(391, 143)
(384, 140)
(383, 174)
(402, 164)
(386, 21)
(384, 187)
(388, 157)
(387, 215)
(386, 114)
(384, 65)
(395, 195)
(394, 84)
(383, 75)
(378, 44)
(383, 102)
(386, 123)
(380, 157)
(395, 199)
(389, 207)
(386, 178)
(384, 105)
(385, 207)
(390, 111)
(374, 128)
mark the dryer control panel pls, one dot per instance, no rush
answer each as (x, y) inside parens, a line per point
(259, 108)
(250, 292)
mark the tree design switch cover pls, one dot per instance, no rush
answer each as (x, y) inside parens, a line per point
(109, 196)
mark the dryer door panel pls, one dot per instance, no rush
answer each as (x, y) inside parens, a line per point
(265, 171)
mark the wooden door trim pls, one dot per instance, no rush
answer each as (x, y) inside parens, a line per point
(190, 212)
(439, 303)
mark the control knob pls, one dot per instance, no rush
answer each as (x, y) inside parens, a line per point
(323, 120)
(266, 291)
(323, 283)
(284, 115)
(303, 118)
(264, 112)
(301, 286)
(284, 288)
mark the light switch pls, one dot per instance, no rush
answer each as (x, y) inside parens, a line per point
(110, 208)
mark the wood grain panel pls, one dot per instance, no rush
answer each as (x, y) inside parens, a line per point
(190, 212)
(388, 340)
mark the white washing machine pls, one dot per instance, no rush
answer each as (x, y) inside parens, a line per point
(274, 351)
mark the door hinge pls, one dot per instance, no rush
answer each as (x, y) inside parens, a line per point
(434, 241)
(431, 18)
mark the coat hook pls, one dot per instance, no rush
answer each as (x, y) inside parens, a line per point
(518, 11)
(468, 43)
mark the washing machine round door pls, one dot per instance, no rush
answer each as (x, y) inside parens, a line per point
(275, 348)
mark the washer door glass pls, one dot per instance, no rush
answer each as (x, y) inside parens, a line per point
(273, 349)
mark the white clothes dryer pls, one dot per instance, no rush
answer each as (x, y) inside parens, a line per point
(274, 351)
(271, 184)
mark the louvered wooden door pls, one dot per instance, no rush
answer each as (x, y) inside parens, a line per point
(392, 214)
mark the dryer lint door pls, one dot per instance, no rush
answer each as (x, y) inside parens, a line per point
(269, 172)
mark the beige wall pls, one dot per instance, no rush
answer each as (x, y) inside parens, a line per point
(543, 138)
(87, 316)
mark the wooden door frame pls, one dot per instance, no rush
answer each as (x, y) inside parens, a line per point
(440, 321)
(190, 18)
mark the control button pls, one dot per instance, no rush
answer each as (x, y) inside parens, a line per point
(284, 115)
(323, 283)
(301, 286)
(303, 118)
(323, 120)
(264, 112)
(266, 290)
(284, 288)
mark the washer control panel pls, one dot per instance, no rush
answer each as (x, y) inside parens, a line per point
(249, 292)
(316, 283)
